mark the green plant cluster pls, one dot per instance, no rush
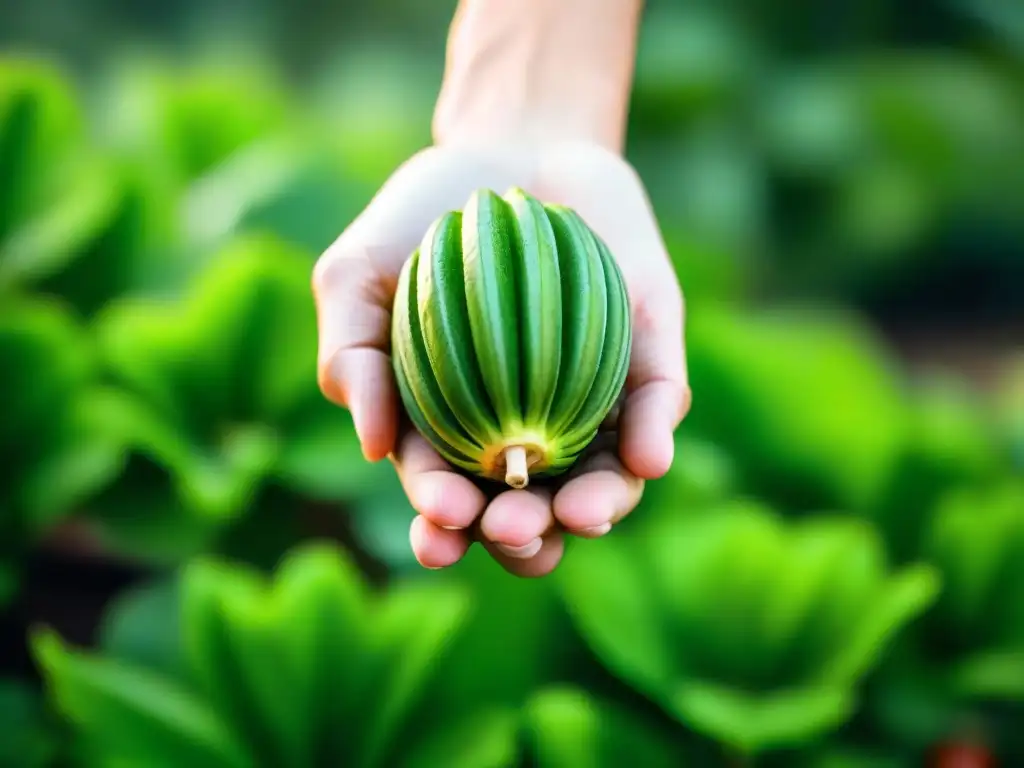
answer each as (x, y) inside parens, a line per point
(830, 576)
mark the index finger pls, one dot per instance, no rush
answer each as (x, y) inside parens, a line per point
(354, 365)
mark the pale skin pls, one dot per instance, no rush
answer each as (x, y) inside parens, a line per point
(534, 95)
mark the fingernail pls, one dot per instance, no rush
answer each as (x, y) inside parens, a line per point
(596, 530)
(453, 527)
(523, 552)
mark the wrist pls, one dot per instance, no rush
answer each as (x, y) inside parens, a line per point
(537, 71)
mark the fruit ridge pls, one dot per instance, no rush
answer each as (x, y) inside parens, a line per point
(511, 335)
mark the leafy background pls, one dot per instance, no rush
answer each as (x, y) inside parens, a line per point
(198, 568)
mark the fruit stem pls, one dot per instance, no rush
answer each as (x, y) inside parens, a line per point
(516, 473)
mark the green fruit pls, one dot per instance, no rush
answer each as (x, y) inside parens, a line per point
(511, 336)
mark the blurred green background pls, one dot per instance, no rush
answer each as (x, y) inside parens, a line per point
(196, 566)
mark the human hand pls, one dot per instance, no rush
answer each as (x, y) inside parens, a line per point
(354, 285)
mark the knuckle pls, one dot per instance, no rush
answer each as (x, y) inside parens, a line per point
(338, 268)
(329, 379)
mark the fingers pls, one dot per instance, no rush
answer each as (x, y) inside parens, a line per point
(541, 564)
(442, 496)
(659, 392)
(355, 280)
(516, 521)
(354, 325)
(435, 547)
(590, 504)
(447, 503)
(518, 530)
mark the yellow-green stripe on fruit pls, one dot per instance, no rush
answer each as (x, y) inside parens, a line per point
(511, 336)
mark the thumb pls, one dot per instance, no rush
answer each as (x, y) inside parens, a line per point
(659, 392)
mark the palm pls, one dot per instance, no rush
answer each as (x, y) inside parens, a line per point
(355, 284)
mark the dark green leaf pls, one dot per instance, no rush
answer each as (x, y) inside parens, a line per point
(481, 739)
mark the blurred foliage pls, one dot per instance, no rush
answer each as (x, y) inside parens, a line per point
(828, 577)
(751, 630)
(53, 451)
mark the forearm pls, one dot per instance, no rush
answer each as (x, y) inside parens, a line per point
(527, 71)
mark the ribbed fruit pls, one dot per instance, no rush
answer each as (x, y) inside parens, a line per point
(511, 336)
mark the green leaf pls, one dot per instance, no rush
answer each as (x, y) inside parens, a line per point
(50, 457)
(142, 627)
(44, 359)
(141, 515)
(950, 443)
(993, 675)
(906, 597)
(565, 726)
(804, 451)
(482, 739)
(506, 612)
(380, 521)
(757, 723)
(188, 120)
(44, 244)
(293, 185)
(82, 464)
(609, 599)
(134, 249)
(321, 456)
(30, 740)
(976, 540)
(40, 124)
(322, 598)
(210, 382)
(235, 647)
(133, 714)
(413, 632)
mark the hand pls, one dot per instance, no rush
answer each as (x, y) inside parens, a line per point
(354, 284)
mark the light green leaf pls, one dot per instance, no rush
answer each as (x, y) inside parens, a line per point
(134, 714)
(764, 376)
(904, 598)
(293, 185)
(188, 120)
(44, 244)
(757, 723)
(40, 124)
(564, 726)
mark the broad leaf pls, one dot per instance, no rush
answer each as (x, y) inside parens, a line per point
(131, 714)
(565, 726)
(755, 723)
